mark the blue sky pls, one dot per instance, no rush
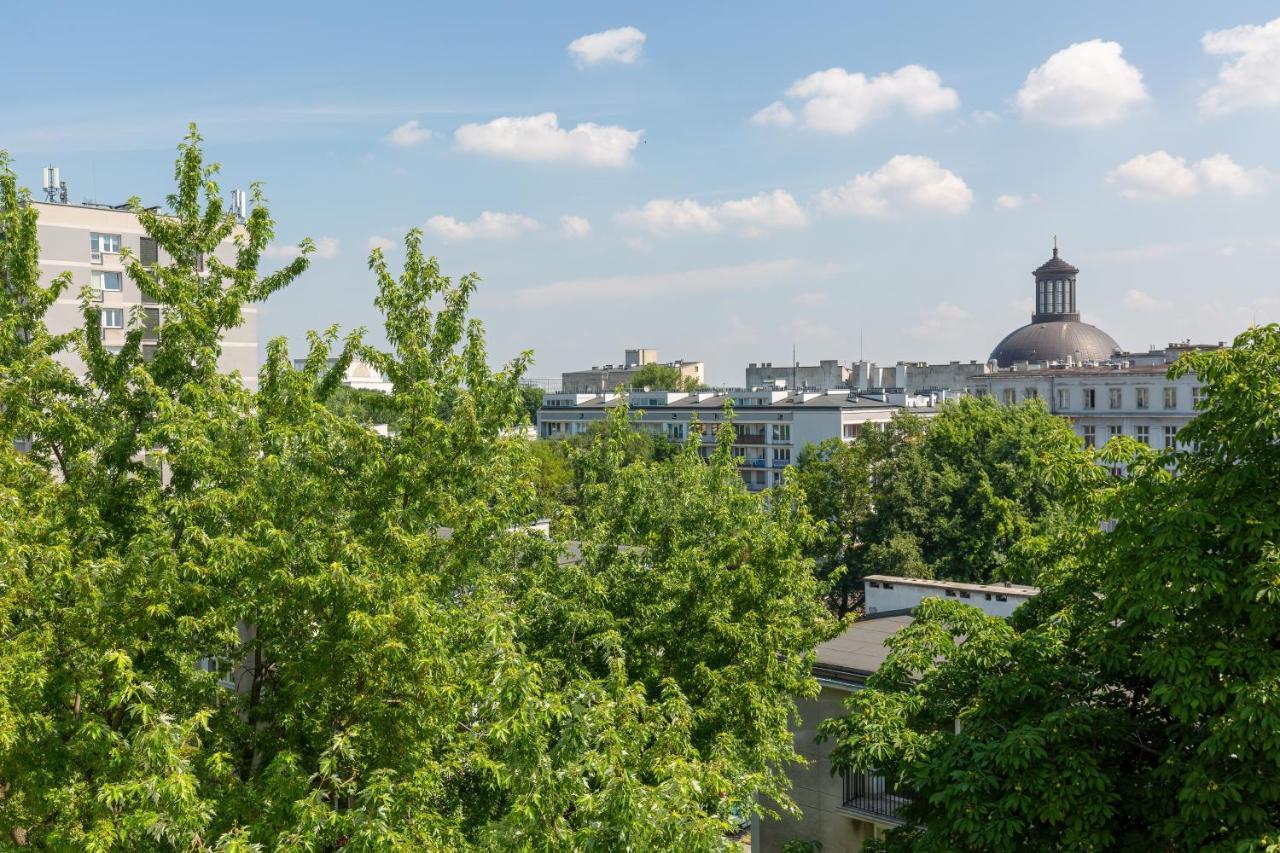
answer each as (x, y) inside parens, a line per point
(898, 212)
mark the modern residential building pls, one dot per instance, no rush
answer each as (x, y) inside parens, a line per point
(771, 427)
(86, 240)
(843, 811)
(911, 377)
(599, 380)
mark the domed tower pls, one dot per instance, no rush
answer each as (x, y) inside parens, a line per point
(1055, 332)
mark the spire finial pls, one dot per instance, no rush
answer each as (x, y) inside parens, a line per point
(1055, 245)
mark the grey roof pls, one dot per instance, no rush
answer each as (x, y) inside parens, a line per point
(1055, 266)
(860, 650)
(1054, 340)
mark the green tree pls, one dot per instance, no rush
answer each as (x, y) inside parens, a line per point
(662, 377)
(364, 405)
(410, 668)
(967, 495)
(1133, 703)
(532, 398)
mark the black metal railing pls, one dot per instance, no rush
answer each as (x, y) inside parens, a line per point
(872, 795)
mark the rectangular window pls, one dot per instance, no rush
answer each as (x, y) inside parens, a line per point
(1143, 434)
(1030, 393)
(1143, 398)
(100, 244)
(1008, 396)
(1090, 398)
(782, 432)
(1171, 397)
(677, 432)
(1115, 397)
(1170, 437)
(107, 281)
(1090, 435)
(1116, 429)
(781, 456)
(148, 252)
(1064, 398)
(113, 318)
(852, 430)
(1197, 396)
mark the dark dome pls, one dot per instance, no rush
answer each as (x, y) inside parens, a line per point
(1055, 340)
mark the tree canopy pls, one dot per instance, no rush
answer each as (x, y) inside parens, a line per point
(1134, 702)
(237, 620)
(662, 377)
(965, 496)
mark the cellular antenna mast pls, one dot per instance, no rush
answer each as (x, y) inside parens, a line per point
(55, 189)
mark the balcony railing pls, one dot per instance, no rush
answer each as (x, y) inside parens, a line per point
(749, 438)
(871, 795)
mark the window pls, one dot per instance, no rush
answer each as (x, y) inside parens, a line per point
(1090, 435)
(1144, 398)
(1008, 396)
(1170, 437)
(852, 430)
(1090, 398)
(1064, 398)
(1171, 397)
(1116, 429)
(782, 432)
(107, 281)
(103, 243)
(148, 252)
(113, 318)
(1143, 434)
(677, 432)
(1197, 396)
(1115, 397)
(1030, 393)
(781, 457)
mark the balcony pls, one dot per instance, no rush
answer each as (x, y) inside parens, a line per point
(749, 438)
(872, 798)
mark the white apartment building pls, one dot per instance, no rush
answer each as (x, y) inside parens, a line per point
(86, 240)
(844, 811)
(1128, 395)
(599, 380)
(771, 427)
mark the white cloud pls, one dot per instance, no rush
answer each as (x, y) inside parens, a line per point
(1160, 176)
(574, 226)
(1251, 80)
(907, 183)
(326, 249)
(940, 318)
(1010, 201)
(540, 138)
(1137, 300)
(653, 286)
(489, 225)
(621, 44)
(837, 101)
(384, 243)
(409, 134)
(1086, 84)
(1220, 172)
(984, 117)
(753, 215)
(775, 114)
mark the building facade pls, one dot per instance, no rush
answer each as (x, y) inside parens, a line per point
(87, 240)
(843, 811)
(771, 427)
(599, 380)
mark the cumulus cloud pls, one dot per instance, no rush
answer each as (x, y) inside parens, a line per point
(753, 215)
(409, 134)
(386, 244)
(648, 287)
(907, 183)
(776, 114)
(574, 226)
(1253, 78)
(489, 225)
(837, 101)
(621, 44)
(1137, 300)
(1160, 176)
(1086, 84)
(940, 318)
(540, 138)
(326, 249)
(1010, 201)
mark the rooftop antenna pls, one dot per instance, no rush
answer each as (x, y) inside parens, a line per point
(1055, 245)
(55, 189)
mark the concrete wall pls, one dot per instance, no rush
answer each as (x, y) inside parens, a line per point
(825, 375)
(815, 790)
